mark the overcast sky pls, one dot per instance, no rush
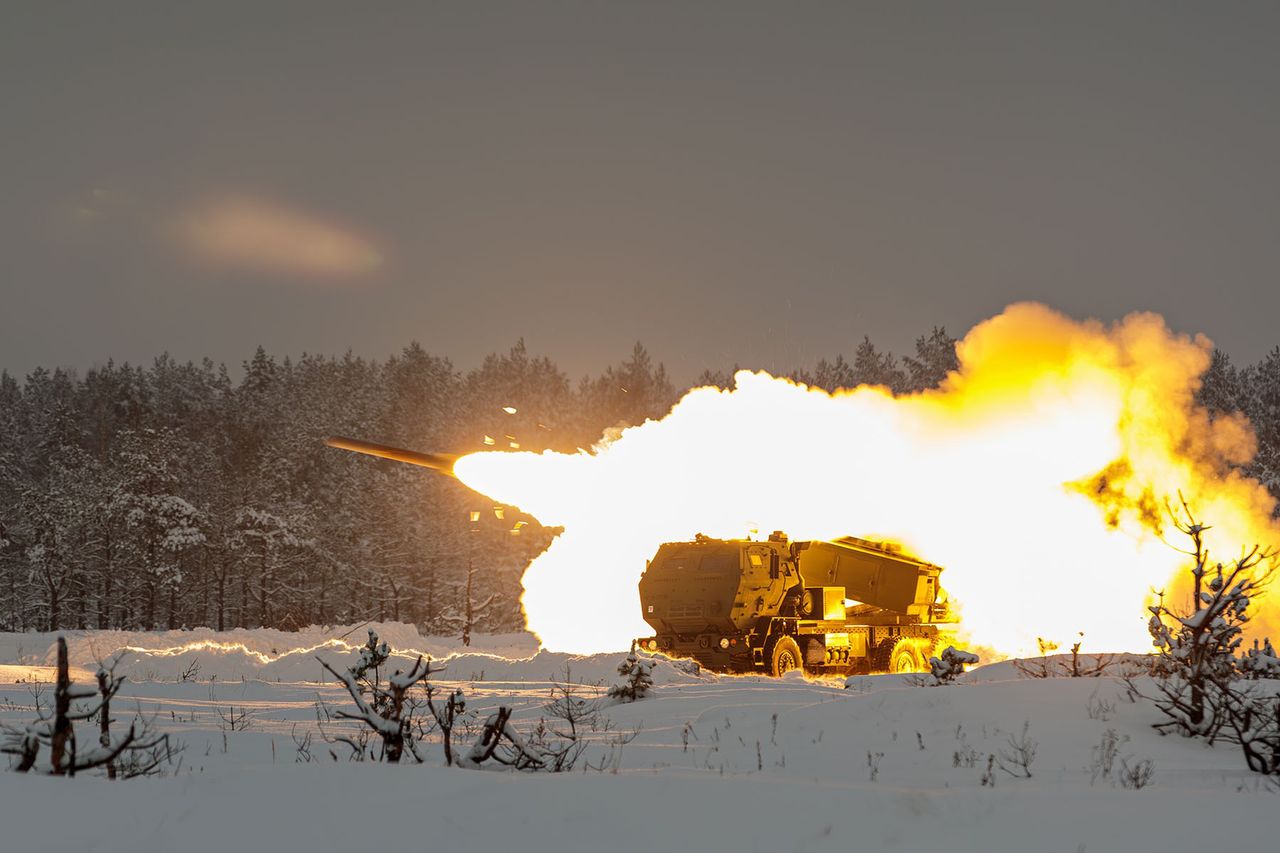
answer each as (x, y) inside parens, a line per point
(728, 182)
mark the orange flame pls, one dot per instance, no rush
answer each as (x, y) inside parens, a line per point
(1037, 475)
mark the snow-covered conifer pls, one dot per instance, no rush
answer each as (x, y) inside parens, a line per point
(636, 681)
(935, 358)
(1196, 650)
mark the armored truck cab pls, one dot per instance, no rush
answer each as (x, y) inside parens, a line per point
(745, 606)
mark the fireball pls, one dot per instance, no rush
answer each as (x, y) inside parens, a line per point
(1037, 474)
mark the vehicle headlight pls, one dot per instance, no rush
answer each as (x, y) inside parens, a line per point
(724, 642)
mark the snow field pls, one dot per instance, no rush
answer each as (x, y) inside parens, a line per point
(719, 763)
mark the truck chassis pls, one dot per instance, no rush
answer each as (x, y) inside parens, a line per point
(780, 644)
(743, 606)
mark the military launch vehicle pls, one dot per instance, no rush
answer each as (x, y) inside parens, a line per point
(739, 605)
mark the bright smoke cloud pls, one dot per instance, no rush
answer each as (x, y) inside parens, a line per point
(257, 234)
(1036, 475)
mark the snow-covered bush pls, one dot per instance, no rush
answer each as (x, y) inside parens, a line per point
(636, 681)
(550, 747)
(384, 706)
(557, 743)
(950, 664)
(141, 752)
(1260, 662)
(1253, 721)
(446, 716)
(500, 741)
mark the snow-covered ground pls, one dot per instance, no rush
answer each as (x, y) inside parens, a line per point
(719, 763)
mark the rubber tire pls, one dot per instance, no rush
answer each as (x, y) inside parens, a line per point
(784, 656)
(909, 654)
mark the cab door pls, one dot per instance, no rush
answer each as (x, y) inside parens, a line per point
(766, 578)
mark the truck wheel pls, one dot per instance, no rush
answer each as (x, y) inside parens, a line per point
(784, 656)
(909, 654)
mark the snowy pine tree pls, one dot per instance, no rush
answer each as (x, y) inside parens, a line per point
(935, 358)
(1196, 648)
(872, 367)
(636, 679)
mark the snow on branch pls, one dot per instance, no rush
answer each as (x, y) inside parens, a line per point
(950, 664)
(1201, 687)
(140, 752)
(383, 705)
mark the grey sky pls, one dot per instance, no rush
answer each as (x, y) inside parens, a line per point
(760, 183)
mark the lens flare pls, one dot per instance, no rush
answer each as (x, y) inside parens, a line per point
(1036, 474)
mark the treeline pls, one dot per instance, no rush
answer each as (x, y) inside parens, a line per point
(174, 496)
(1255, 391)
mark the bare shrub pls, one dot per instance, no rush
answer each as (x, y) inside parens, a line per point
(231, 720)
(191, 671)
(140, 752)
(1017, 759)
(1137, 775)
(559, 740)
(499, 741)
(611, 758)
(1099, 708)
(964, 756)
(1037, 667)
(302, 745)
(1077, 666)
(446, 716)
(989, 775)
(873, 765)
(1105, 754)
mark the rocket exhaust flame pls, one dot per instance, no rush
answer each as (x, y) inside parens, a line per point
(1036, 474)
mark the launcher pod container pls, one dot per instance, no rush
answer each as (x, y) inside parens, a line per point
(737, 605)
